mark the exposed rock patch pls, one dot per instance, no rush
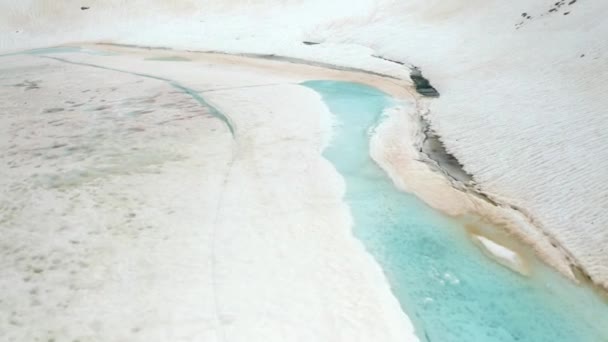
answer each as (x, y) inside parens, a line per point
(423, 86)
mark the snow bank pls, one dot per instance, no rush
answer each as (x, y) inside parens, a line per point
(521, 83)
(131, 213)
(396, 146)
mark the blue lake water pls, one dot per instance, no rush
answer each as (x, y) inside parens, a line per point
(445, 284)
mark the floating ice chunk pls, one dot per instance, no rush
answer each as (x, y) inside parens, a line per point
(502, 254)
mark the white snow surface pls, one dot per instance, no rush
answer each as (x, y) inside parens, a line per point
(521, 103)
(129, 213)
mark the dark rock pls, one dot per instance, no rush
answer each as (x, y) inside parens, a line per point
(84, 8)
(423, 86)
(310, 43)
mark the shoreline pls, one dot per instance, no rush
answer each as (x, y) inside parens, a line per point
(238, 105)
(554, 168)
(411, 163)
(466, 198)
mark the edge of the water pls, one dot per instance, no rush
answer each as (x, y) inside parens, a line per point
(514, 220)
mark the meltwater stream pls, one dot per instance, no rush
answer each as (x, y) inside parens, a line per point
(445, 285)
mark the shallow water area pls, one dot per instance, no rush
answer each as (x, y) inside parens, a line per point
(445, 284)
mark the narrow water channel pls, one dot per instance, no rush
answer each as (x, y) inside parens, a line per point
(444, 283)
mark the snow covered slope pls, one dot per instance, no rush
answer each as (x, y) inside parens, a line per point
(129, 212)
(522, 106)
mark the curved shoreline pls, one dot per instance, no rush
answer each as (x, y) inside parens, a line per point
(428, 258)
(398, 91)
(464, 196)
(557, 122)
(405, 155)
(282, 200)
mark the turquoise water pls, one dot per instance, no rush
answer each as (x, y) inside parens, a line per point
(447, 287)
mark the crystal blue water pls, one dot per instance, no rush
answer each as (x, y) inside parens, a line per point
(447, 287)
